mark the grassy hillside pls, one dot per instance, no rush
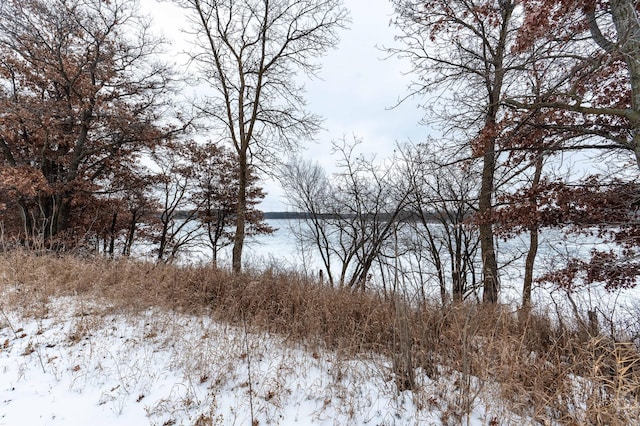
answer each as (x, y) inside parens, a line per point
(450, 362)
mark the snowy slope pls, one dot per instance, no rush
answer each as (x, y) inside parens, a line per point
(78, 363)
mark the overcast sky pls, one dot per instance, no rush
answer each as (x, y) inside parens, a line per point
(355, 93)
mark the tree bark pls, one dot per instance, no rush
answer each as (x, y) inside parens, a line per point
(126, 251)
(533, 246)
(238, 240)
(485, 203)
(489, 263)
(627, 26)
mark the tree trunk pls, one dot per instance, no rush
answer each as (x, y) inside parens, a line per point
(528, 268)
(494, 86)
(458, 284)
(27, 222)
(628, 28)
(52, 211)
(126, 251)
(238, 240)
(625, 19)
(489, 263)
(163, 236)
(112, 234)
(56, 212)
(533, 246)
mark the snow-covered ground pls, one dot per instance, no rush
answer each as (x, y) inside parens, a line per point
(73, 362)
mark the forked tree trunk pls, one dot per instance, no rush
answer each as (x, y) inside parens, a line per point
(625, 19)
(627, 25)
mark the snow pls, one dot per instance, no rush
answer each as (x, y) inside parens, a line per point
(74, 362)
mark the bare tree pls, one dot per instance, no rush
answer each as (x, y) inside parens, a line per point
(178, 213)
(308, 190)
(249, 52)
(351, 216)
(465, 45)
(140, 207)
(442, 198)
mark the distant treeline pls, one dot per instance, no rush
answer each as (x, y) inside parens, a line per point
(403, 217)
(406, 216)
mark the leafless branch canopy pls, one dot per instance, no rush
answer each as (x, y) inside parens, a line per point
(249, 53)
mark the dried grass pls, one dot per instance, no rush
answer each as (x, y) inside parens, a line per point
(540, 371)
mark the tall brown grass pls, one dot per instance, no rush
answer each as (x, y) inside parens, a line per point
(541, 371)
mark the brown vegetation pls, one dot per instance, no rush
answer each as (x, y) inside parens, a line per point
(549, 373)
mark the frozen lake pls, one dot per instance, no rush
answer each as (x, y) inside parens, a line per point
(281, 250)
